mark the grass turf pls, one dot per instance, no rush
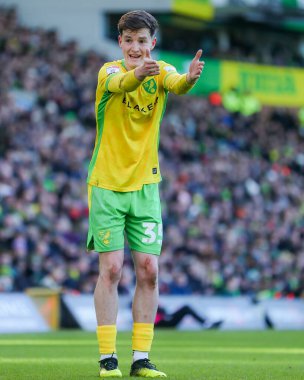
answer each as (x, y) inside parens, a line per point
(199, 355)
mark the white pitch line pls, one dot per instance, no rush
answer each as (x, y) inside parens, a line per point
(81, 343)
(44, 361)
(10, 342)
(44, 342)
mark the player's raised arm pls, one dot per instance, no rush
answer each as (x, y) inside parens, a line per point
(196, 67)
(181, 84)
(149, 67)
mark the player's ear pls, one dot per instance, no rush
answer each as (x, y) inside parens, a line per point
(119, 40)
(153, 43)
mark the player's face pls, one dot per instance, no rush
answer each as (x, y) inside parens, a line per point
(134, 45)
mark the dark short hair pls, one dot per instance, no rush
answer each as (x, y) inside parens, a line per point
(135, 20)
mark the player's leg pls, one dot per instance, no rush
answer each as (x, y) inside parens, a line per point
(144, 232)
(106, 227)
(106, 294)
(144, 311)
(106, 308)
(146, 291)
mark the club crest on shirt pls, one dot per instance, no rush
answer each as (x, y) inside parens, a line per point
(150, 86)
(112, 69)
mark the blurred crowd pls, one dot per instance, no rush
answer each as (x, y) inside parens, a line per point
(232, 202)
(279, 47)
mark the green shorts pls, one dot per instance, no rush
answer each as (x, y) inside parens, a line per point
(135, 213)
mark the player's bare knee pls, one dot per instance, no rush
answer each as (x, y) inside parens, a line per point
(111, 273)
(147, 274)
(115, 273)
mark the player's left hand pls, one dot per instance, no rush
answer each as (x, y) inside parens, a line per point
(196, 67)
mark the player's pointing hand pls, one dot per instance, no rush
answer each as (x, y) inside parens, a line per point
(196, 67)
(198, 55)
(149, 67)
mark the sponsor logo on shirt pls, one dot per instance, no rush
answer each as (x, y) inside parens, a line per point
(150, 86)
(112, 70)
(169, 68)
(141, 108)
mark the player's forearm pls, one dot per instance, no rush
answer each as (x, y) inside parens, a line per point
(123, 82)
(178, 84)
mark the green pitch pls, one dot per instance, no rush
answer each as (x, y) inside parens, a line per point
(199, 355)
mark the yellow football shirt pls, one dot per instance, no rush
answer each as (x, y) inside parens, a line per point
(128, 117)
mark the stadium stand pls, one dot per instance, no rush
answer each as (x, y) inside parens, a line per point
(232, 184)
(229, 44)
(221, 39)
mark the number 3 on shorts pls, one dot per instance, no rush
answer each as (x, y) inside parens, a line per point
(151, 234)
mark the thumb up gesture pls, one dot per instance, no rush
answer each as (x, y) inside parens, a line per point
(196, 67)
(149, 67)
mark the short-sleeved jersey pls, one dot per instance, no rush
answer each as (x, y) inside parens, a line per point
(125, 155)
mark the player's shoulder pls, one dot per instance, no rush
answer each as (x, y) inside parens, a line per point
(111, 67)
(166, 67)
